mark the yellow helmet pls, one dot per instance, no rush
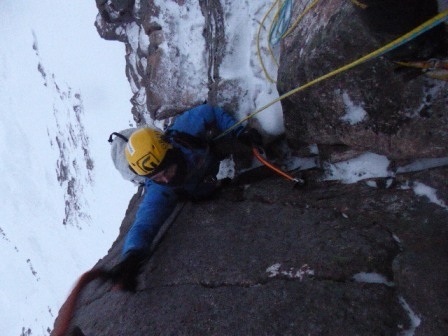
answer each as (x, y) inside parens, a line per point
(145, 150)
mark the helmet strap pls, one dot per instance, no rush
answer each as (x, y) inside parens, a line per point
(121, 136)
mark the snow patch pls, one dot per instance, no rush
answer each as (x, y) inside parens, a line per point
(415, 320)
(184, 44)
(354, 113)
(291, 273)
(241, 65)
(226, 169)
(421, 189)
(372, 278)
(314, 149)
(365, 166)
(374, 184)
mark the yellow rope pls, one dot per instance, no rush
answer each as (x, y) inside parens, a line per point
(359, 4)
(441, 17)
(271, 52)
(290, 29)
(258, 43)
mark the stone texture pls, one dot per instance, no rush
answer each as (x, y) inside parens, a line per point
(405, 111)
(266, 259)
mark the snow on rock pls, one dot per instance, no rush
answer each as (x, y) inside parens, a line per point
(354, 113)
(372, 278)
(415, 320)
(365, 166)
(74, 166)
(181, 74)
(195, 54)
(292, 273)
(421, 189)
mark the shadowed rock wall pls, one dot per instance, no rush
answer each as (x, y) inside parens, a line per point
(404, 111)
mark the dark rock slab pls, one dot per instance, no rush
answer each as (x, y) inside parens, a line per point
(266, 259)
(405, 111)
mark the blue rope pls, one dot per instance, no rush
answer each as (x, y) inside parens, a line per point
(280, 26)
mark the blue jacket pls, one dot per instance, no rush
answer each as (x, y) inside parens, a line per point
(160, 200)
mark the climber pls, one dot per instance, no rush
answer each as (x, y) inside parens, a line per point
(181, 162)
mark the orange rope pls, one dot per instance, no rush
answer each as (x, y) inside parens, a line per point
(274, 168)
(67, 311)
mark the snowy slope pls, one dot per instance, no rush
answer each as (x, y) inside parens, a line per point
(62, 91)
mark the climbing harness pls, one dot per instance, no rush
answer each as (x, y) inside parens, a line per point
(424, 27)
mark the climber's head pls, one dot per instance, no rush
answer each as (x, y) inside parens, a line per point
(150, 155)
(145, 150)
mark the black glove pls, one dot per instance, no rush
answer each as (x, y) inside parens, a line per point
(125, 273)
(250, 137)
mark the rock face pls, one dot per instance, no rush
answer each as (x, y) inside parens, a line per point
(401, 113)
(160, 78)
(262, 258)
(74, 166)
(176, 56)
(270, 260)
